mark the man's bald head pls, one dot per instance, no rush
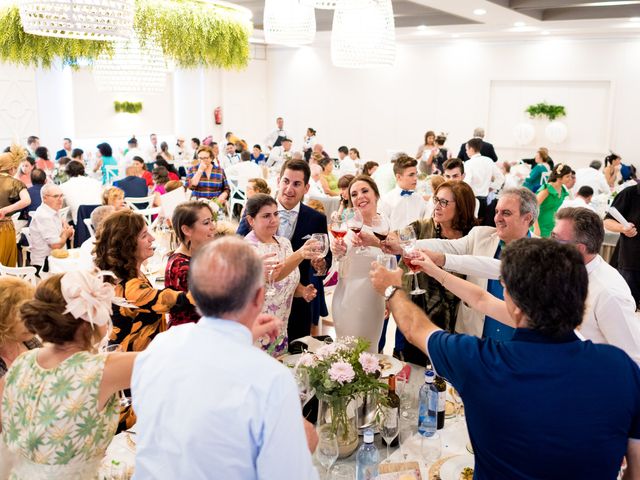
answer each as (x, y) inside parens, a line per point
(224, 276)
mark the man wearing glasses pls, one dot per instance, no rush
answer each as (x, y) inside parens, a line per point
(47, 230)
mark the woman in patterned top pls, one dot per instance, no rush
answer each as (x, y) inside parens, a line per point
(60, 407)
(123, 243)
(194, 225)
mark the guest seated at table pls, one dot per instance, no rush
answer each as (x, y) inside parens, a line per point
(160, 179)
(133, 185)
(315, 182)
(142, 172)
(106, 163)
(38, 179)
(43, 161)
(263, 217)
(194, 225)
(207, 179)
(171, 169)
(98, 215)
(47, 230)
(240, 425)
(257, 185)
(172, 185)
(243, 170)
(80, 189)
(15, 339)
(543, 380)
(123, 243)
(328, 180)
(114, 196)
(60, 406)
(257, 156)
(24, 171)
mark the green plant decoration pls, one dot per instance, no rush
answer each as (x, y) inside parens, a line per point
(546, 110)
(192, 33)
(127, 107)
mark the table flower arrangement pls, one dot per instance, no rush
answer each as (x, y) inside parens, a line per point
(341, 373)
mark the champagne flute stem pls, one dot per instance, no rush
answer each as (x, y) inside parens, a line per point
(388, 459)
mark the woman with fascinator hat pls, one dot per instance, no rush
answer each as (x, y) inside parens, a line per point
(13, 198)
(550, 197)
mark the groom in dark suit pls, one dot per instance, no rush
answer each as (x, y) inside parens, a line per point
(297, 222)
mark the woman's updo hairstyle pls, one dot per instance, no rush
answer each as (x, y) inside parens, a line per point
(609, 159)
(43, 316)
(257, 202)
(558, 172)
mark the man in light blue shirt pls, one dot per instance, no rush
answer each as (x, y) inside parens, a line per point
(209, 403)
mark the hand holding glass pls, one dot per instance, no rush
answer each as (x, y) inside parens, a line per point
(321, 249)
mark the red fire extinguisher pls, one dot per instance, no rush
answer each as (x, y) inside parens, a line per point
(217, 115)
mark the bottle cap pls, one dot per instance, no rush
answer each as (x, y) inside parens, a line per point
(429, 376)
(368, 436)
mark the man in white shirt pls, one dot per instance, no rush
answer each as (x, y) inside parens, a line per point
(154, 149)
(47, 230)
(482, 174)
(280, 154)
(315, 186)
(454, 172)
(241, 172)
(80, 189)
(403, 205)
(230, 156)
(275, 138)
(582, 200)
(237, 414)
(593, 177)
(347, 165)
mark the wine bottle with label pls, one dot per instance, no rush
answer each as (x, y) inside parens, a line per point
(441, 385)
(393, 400)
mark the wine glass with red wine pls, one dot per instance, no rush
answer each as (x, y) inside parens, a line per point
(380, 227)
(409, 253)
(354, 222)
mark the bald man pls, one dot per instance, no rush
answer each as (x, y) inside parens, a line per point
(204, 390)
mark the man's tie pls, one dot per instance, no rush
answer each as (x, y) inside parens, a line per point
(287, 219)
(406, 192)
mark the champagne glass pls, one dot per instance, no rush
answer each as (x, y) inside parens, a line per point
(271, 248)
(123, 400)
(409, 254)
(406, 436)
(431, 448)
(322, 248)
(338, 227)
(305, 391)
(380, 227)
(387, 261)
(407, 238)
(389, 423)
(354, 222)
(327, 451)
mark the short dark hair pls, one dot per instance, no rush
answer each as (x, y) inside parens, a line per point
(551, 293)
(475, 144)
(42, 152)
(160, 175)
(257, 145)
(298, 166)
(67, 139)
(62, 161)
(255, 203)
(186, 214)
(77, 152)
(75, 169)
(196, 140)
(585, 191)
(162, 162)
(231, 143)
(454, 163)
(344, 149)
(138, 159)
(597, 164)
(38, 176)
(402, 163)
(588, 228)
(31, 139)
(105, 149)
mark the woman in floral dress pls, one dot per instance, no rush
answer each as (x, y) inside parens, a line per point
(281, 263)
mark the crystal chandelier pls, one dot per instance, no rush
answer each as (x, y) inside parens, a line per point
(363, 34)
(287, 22)
(134, 68)
(79, 19)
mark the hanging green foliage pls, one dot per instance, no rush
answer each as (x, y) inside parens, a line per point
(546, 110)
(127, 107)
(191, 33)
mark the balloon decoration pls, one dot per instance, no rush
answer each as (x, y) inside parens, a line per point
(556, 132)
(524, 133)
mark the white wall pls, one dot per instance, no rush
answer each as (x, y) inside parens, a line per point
(18, 104)
(447, 86)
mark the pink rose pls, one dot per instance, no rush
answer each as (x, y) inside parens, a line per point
(341, 372)
(369, 362)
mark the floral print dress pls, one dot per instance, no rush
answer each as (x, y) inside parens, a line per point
(279, 304)
(51, 420)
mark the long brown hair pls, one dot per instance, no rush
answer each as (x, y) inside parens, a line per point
(464, 219)
(366, 179)
(117, 242)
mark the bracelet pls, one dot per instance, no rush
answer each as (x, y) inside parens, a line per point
(444, 277)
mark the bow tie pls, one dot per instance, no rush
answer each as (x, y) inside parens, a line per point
(406, 192)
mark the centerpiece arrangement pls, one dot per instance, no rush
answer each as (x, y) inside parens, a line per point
(343, 374)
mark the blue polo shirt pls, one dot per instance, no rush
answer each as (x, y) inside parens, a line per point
(542, 408)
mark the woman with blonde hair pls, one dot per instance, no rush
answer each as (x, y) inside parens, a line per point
(114, 197)
(13, 198)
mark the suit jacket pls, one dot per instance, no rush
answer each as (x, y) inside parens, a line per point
(309, 221)
(487, 150)
(133, 187)
(61, 153)
(482, 241)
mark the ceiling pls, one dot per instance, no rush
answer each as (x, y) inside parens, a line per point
(554, 10)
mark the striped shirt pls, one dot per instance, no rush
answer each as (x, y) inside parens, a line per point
(211, 186)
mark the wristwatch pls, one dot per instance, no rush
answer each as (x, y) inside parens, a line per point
(389, 291)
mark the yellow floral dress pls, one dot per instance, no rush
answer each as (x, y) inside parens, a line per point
(51, 420)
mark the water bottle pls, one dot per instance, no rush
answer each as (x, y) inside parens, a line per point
(367, 458)
(428, 407)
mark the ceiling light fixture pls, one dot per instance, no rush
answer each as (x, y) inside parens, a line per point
(479, 11)
(287, 22)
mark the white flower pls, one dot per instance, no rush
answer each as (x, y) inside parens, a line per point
(327, 350)
(369, 362)
(341, 372)
(306, 360)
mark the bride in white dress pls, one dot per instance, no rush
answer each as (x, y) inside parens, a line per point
(357, 309)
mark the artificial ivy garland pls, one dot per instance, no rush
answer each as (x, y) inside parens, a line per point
(190, 32)
(544, 109)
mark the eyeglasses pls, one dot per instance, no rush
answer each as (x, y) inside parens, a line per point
(442, 202)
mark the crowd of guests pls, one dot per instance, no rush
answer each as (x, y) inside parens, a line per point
(524, 328)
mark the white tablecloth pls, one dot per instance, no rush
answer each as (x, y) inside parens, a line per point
(70, 264)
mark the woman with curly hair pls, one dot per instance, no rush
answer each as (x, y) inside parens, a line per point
(123, 243)
(13, 198)
(114, 196)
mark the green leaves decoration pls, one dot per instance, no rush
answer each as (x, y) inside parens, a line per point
(546, 110)
(127, 107)
(191, 33)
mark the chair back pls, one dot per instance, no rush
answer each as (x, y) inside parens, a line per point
(134, 201)
(148, 214)
(25, 273)
(89, 225)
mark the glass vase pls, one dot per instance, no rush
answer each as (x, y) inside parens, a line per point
(342, 414)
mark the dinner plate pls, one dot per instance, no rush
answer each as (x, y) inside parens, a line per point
(390, 365)
(452, 468)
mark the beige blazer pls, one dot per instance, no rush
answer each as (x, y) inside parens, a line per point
(482, 241)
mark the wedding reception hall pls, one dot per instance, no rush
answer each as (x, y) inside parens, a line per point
(319, 239)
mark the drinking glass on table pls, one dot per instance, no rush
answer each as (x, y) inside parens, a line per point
(327, 451)
(321, 249)
(123, 400)
(389, 424)
(431, 448)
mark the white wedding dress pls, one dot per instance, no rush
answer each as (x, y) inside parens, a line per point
(357, 309)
